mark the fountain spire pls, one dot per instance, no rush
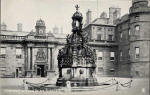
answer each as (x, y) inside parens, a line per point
(76, 61)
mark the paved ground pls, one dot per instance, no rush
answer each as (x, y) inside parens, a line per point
(139, 86)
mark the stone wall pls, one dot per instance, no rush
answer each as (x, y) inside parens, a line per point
(11, 62)
(131, 39)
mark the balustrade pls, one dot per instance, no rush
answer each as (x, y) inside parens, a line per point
(11, 37)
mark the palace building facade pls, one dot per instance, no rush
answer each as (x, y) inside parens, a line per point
(133, 37)
(102, 38)
(122, 45)
(29, 54)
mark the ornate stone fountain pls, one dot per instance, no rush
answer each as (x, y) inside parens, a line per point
(76, 61)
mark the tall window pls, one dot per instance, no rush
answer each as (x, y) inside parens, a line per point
(112, 56)
(110, 37)
(93, 27)
(100, 56)
(110, 29)
(99, 37)
(99, 28)
(129, 53)
(18, 53)
(105, 28)
(137, 52)
(137, 27)
(129, 32)
(120, 27)
(2, 52)
(137, 17)
(100, 69)
(120, 34)
(120, 55)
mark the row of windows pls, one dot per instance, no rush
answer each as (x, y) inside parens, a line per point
(100, 56)
(137, 18)
(137, 28)
(101, 69)
(103, 28)
(3, 52)
(110, 37)
(137, 53)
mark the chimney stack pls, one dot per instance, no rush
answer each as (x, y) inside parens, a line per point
(114, 13)
(3, 26)
(88, 17)
(19, 27)
(61, 30)
(55, 30)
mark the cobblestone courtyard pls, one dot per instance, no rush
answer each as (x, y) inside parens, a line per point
(139, 86)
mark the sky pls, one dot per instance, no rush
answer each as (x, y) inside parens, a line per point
(53, 12)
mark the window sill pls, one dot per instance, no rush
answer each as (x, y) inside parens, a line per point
(112, 60)
(100, 60)
(3, 56)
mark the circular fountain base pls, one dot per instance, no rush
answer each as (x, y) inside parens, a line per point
(77, 82)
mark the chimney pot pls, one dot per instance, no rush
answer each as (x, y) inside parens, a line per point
(19, 27)
(3, 26)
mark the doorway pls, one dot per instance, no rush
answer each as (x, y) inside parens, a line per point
(17, 71)
(40, 70)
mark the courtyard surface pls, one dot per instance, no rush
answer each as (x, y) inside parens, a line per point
(139, 86)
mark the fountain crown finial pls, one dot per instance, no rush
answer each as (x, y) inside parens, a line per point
(77, 7)
(77, 20)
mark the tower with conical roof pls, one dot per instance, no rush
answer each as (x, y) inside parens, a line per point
(88, 17)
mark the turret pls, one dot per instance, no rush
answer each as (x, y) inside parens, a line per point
(40, 27)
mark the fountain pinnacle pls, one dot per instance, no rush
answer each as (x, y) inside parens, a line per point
(76, 61)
